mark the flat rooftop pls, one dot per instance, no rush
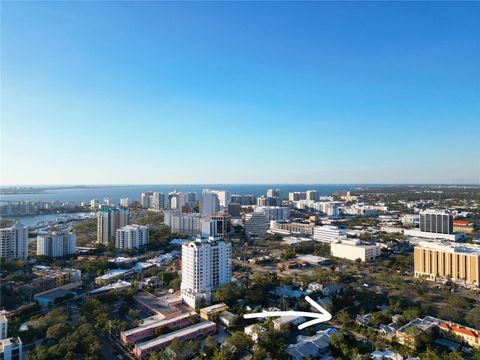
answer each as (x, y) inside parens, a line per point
(156, 321)
(173, 335)
(156, 304)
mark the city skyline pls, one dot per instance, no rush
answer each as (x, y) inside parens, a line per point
(284, 93)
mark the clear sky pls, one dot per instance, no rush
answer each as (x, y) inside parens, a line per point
(238, 92)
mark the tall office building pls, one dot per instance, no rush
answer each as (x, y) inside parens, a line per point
(14, 242)
(313, 195)
(206, 264)
(457, 262)
(157, 201)
(277, 213)
(209, 203)
(274, 193)
(131, 237)
(436, 222)
(108, 221)
(216, 225)
(56, 244)
(255, 225)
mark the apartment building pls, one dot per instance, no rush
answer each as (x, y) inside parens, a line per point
(110, 219)
(14, 242)
(288, 228)
(188, 224)
(440, 261)
(206, 264)
(131, 237)
(56, 244)
(277, 213)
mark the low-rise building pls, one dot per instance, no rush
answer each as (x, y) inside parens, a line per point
(151, 326)
(112, 276)
(192, 332)
(462, 226)
(328, 233)
(409, 334)
(206, 313)
(291, 228)
(353, 250)
(468, 335)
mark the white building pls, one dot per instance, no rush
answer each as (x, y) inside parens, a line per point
(131, 237)
(124, 202)
(312, 195)
(108, 221)
(274, 193)
(277, 213)
(94, 203)
(269, 201)
(157, 201)
(328, 233)
(330, 208)
(189, 224)
(206, 264)
(14, 242)
(57, 244)
(223, 196)
(10, 348)
(255, 225)
(3, 326)
(410, 219)
(146, 199)
(353, 250)
(209, 203)
(297, 196)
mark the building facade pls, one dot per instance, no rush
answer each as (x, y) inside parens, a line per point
(255, 225)
(206, 264)
(131, 237)
(353, 250)
(108, 221)
(440, 261)
(14, 242)
(328, 233)
(57, 244)
(436, 222)
(277, 213)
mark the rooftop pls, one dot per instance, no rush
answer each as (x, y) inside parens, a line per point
(157, 321)
(173, 335)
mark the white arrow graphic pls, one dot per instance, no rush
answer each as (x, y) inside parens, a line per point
(324, 315)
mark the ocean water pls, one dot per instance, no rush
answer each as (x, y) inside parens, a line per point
(87, 193)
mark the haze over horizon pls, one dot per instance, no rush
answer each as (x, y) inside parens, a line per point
(239, 93)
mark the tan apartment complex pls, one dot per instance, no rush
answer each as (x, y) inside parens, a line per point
(458, 262)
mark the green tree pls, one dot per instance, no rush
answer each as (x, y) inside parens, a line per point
(473, 317)
(240, 340)
(228, 293)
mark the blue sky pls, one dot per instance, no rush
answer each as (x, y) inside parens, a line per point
(239, 92)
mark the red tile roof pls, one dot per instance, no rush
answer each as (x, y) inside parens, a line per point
(460, 329)
(460, 222)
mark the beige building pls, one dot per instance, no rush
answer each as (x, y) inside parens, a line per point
(458, 262)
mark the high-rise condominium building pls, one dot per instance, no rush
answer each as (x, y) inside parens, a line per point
(313, 195)
(188, 224)
(438, 261)
(206, 264)
(274, 193)
(436, 222)
(3, 326)
(14, 242)
(328, 233)
(297, 196)
(209, 203)
(146, 199)
(277, 213)
(125, 202)
(131, 237)
(108, 221)
(255, 225)
(216, 225)
(269, 201)
(94, 203)
(157, 201)
(56, 244)
(223, 196)
(244, 199)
